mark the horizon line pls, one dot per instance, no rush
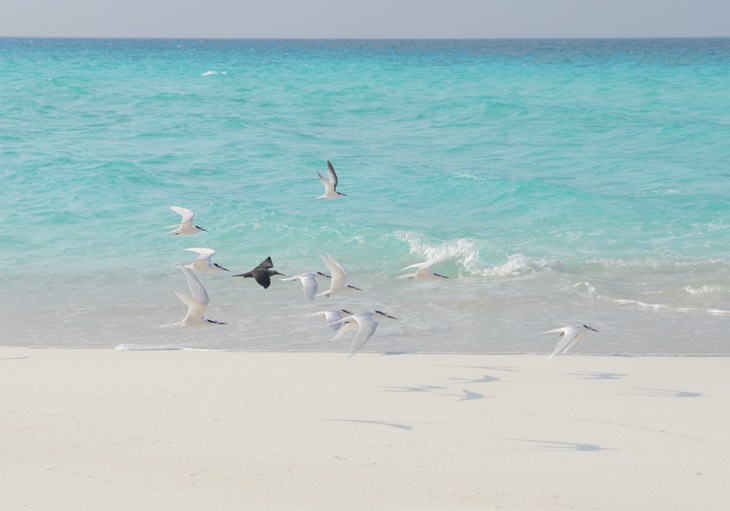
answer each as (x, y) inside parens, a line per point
(509, 38)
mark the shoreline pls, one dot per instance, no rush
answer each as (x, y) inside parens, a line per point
(188, 429)
(142, 348)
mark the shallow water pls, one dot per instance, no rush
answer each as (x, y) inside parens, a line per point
(553, 181)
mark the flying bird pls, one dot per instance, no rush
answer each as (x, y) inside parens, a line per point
(423, 273)
(366, 323)
(203, 264)
(330, 185)
(570, 335)
(339, 274)
(309, 282)
(186, 226)
(196, 302)
(332, 316)
(262, 273)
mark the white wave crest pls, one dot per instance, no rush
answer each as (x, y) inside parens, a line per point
(465, 251)
(703, 290)
(211, 73)
(516, 264)
(585, 289)
(147, 347)
(664, 307)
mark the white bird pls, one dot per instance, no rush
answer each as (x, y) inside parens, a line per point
(186, 226)
(330, 185)
(339, 274)
(203, 264)
(196, 302)
(366, 323)
(570, 337)
(309, 282)
(331, 316)
(423, 273)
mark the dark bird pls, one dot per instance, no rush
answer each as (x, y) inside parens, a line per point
(262, 273)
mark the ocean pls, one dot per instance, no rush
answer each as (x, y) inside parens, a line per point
(553, 181)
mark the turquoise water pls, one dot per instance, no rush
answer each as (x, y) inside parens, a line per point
(554, 181)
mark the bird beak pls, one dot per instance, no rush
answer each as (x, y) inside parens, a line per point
(590, 328)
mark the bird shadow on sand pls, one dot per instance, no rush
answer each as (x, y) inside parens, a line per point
(396, 425)
(486, 368)
(597, 375)
(650, 392)
(468, 395)
(415, 388)
(487, 378)
(550, 445)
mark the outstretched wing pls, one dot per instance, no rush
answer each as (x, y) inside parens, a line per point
(568, 337)
(332, 175)
(266, 264)
(197, 290)
(262, 277)
(195, 309)
(336, 269)
(309, 285)
(366, 330)
(427, 264)
(328, 187)
(205, 253)
(187, 215)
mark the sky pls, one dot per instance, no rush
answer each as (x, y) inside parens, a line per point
(365, 18)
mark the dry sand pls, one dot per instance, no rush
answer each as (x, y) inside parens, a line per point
(182, 430)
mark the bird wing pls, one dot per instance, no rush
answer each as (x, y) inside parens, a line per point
(424, 273)
(345, 327)
(187, 215)
(331, 317)
(427, 264)
(345, 324)
(262, 277)
(568, 335)
(197, 290)
(336, 269)
(581, 333)
(205, 253)
(332, 175)
(266, 263)
(366, 330)
(309, 284)
(328, 187)
(195, 308)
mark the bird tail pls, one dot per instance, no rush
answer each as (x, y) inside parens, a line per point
(553, 331)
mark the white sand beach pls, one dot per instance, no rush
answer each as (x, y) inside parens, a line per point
(192, 430)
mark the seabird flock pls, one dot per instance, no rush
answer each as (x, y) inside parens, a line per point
(340, 320)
